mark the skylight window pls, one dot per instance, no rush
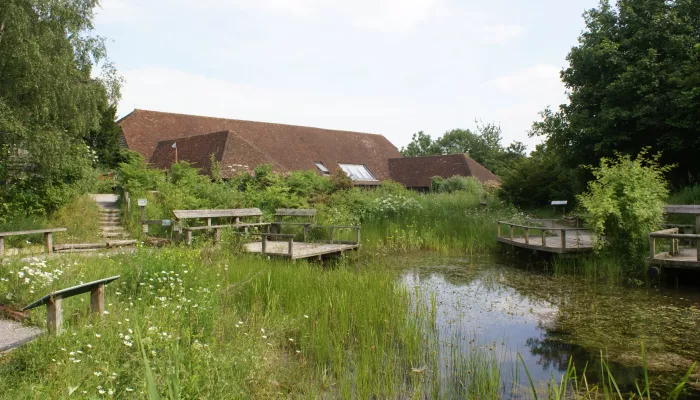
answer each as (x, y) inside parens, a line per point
(357, 172)
(322, 168)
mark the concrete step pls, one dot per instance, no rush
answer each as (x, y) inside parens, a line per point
(79, 246)
(121, 243)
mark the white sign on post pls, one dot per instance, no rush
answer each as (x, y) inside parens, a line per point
(559, 202)
(166, 222)
(143, 202)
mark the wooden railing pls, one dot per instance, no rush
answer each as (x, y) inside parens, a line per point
(543, 232)
(675, 237)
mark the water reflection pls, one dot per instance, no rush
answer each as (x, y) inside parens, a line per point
(549, 320)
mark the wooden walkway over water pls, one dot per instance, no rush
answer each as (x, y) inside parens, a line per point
(669, 248)
(299, 249)
(554, 238)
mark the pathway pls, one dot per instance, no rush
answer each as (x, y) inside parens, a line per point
(14, 334)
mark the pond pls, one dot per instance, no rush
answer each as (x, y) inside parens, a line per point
(485, 306)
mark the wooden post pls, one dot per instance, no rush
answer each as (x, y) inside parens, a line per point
(697, 224)
(697, 255)
(332, 228)
(357, 235)
(217, 235)
(2, 245)
(209, 223)
(652, 247)
(188, 237)
(264, 244)
(306, 231)
(48, 237)
(127, 199)
(527, 236)
(54, 314)
(290, 241)
(144, 225)
(499, 230)
(97, 300)
(563, 239)
(544, 241)
(511, 231)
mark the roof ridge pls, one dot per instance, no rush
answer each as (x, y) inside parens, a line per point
(247, 120)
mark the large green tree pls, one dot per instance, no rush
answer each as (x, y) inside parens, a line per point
(484, 146)
(50, 100)
(633, 82)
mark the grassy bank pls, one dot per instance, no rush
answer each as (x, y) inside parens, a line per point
(213, 324)
(244, 328)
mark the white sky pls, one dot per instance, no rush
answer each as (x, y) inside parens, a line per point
(392, 67)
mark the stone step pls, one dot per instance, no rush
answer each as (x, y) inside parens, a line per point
(115, 228)
(109, 223)
(106, 211)
(115, 235)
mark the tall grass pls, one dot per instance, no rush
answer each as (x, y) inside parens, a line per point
(211, 324)
(450, 223)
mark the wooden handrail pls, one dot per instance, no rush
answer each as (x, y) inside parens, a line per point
(565, 228)
(562, 232)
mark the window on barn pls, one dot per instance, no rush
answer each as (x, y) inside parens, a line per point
(322, 168)
(357, 172)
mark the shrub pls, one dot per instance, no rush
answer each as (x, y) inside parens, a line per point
(625, 202)
(457, 183)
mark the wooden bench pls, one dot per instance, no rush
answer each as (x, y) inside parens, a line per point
(53, 301)
(235, 214)
(48, 237)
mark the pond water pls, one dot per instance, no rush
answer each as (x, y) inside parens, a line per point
(487, 306)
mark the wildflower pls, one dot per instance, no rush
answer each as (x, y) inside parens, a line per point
(129, 389)
(97, 373)
(306, 316)
(291, 339)
(101, 391)
(97, 335)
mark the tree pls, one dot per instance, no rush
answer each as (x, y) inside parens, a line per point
(421, 145)
(483, 146)
(633, 82)
(104, 140)
(49, 100)
(536, 180)
(625, 202)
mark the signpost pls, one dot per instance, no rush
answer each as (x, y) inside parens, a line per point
(142, 204)
(561, 203)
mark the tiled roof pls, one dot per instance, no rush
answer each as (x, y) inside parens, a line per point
(287, 147)
(417, 172)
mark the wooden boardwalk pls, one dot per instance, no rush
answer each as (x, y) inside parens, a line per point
(675, 257)
(299, 249)
(551, 239)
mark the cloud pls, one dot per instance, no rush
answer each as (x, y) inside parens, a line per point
(527, 92)
(165, 89)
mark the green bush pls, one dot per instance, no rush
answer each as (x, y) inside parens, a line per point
(457, 183)
(625, 203)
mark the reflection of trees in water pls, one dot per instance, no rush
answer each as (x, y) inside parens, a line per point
(554, 352)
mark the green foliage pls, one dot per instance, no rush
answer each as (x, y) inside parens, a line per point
(536, 180)
(457, 183)
(633, 82)
(49, 101)
(484, 146)
(625, 202)
(340, 180)
(104, 140)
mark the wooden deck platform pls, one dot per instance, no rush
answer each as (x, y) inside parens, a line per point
(299, 249)
(549, 239)
(676, 257)
(687, 259)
